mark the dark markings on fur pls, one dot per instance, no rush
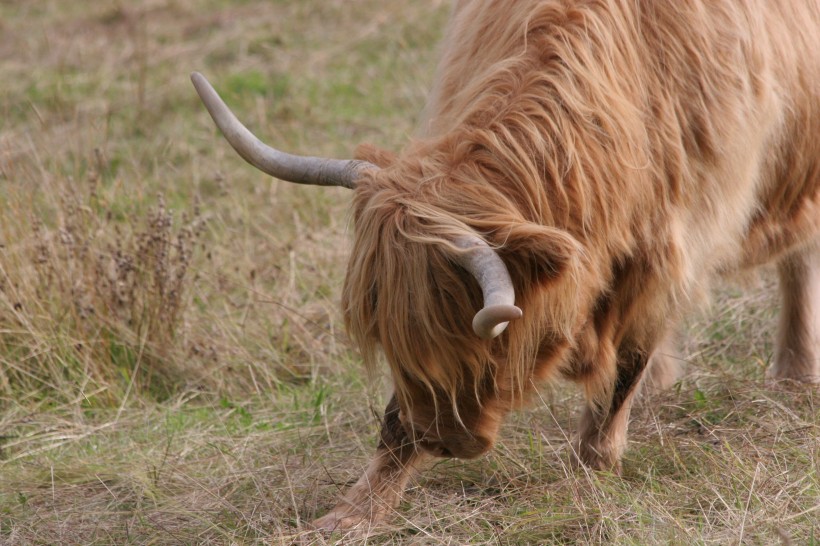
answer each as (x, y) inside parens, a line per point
(392, 435)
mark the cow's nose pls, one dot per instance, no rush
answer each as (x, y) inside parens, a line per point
(464, 446)
(435, 448)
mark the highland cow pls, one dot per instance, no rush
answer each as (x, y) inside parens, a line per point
(583, 170)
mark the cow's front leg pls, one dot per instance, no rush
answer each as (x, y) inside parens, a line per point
(797, 355)
(371, 499)
(602, 438)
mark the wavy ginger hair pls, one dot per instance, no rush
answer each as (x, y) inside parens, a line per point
(506, 157)
(405, 294)
(569, 135)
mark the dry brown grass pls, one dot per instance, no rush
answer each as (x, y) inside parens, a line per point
(172, 368)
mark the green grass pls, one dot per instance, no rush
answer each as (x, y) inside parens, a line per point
(229, 407)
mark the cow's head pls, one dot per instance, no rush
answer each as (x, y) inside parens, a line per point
(431, 289)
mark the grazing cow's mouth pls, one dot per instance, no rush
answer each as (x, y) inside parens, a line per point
(435, 448)
(445, 438)
(460, 446)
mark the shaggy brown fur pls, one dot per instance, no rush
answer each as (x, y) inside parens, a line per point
(618, 154)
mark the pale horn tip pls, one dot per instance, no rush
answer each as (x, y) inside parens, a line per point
(492, 320)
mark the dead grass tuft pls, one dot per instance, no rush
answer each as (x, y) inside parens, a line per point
(91, 302)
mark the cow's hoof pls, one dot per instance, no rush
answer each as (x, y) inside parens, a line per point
(600, 457)
(791, 381)
(346, 518)
(797, 366)
(338, 522)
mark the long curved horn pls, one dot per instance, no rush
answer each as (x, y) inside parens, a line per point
(317, 171)
(496, 285)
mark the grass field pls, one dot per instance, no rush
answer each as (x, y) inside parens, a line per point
(173, 369)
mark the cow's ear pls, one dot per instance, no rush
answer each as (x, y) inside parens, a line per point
(538, 254)
(374, 154)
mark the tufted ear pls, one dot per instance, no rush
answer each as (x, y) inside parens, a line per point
(538, 254)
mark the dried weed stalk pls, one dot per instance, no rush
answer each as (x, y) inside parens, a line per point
(90, 298)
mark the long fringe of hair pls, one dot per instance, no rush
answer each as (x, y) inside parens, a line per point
(577, 126)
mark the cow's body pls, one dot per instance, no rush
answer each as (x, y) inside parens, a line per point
(617, 154)
(672, 140)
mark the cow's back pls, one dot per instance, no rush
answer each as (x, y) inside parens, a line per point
(710, 109)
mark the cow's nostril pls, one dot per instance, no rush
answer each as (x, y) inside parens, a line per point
(435, 448)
